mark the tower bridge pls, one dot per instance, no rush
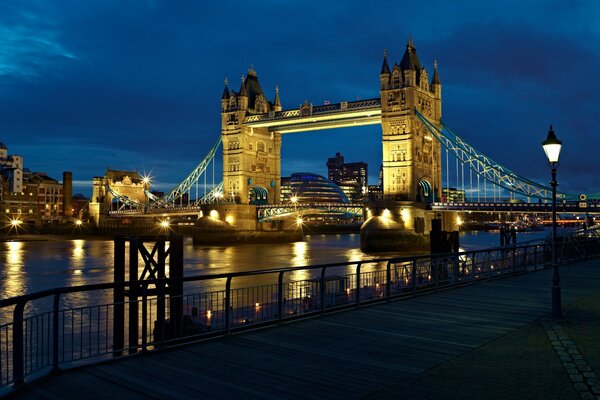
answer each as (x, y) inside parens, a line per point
(414, 138)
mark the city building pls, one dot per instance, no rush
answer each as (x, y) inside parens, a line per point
(33, 198)
(352, 178)
(12, 169)
(286, 189)
(50, 196)
(453, 195)
(306, 188)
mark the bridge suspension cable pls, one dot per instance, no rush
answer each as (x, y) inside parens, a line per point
(484, 166)
(191, 180)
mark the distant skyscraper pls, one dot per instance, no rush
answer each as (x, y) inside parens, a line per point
(350, 176)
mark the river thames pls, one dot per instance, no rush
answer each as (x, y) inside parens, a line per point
(32, 266)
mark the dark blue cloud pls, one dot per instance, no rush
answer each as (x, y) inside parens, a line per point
(86, 85)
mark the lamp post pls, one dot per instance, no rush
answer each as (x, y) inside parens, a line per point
(552, 147)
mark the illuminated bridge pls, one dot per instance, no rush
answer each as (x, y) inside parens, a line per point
(421, 158)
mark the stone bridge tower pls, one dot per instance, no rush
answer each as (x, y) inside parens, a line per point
(251, 156)
(411, 156)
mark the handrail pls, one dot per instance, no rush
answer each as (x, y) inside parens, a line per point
(195, 278)
(224, 309)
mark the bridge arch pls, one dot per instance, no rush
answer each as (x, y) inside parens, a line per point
(258, 195)
(425, 191)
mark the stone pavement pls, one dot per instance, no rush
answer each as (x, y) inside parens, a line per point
(544, 360)
(489, 340)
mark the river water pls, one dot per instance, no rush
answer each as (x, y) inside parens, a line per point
(28, 267)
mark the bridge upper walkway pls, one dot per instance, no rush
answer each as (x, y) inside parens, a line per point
(387, 350)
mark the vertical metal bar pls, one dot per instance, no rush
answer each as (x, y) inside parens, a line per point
(160, 285)
(55, 321)
(323, 289)
(133, 294)
(358, 276)
(176, 285)
(119, 296)
(388, 279)
(17, 343)
(144, 318)
(414, 276)
(280, 296)
(228, 306)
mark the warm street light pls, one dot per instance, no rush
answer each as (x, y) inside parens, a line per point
(294, 199)
(552, 147)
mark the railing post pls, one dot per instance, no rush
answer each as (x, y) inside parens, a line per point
(388, 279)
(160, 286)
(358, 284)
(176, 285)
(323, 289)
(144, 317)
(514, 259)
(55, 322)
(119, 296)
(413, 277)
(456, 265)
(133, 295)
(436, 272)
(280, 296)
(17, 343)
(535, 257)
(228, 306)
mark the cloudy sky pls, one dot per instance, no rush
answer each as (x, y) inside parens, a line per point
(86, 85)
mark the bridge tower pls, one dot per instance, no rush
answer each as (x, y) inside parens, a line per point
(251, 155)
(411, 157)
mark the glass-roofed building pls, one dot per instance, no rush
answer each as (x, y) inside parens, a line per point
(307, 187)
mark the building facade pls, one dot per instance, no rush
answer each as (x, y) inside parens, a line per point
(352, 178)
(33, 198)
(411, 157)
(251, 156)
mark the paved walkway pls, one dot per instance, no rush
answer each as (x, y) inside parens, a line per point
(485, 341)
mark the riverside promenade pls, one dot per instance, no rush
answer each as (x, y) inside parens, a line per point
(489, 340)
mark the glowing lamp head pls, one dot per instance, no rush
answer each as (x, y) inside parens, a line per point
(294, 199)
(78, 222)
(218, 195)
(164, 224)
(459, 221)
(552, 147)
(299, 221)
(15, 222)
(146, 179)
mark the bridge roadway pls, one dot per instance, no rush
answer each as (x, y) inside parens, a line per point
(272, 211)
(477, 341)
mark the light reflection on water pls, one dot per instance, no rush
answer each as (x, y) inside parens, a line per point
(34, 266)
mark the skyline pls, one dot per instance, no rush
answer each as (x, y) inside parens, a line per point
(138, 87)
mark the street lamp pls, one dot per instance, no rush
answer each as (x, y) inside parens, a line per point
(552, 148)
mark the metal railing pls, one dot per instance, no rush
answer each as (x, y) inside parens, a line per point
(33, 343)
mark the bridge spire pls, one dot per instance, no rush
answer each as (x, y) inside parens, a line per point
(385, 68)
(436, 76)
(226, 90)
(277, 102)
(243, 87)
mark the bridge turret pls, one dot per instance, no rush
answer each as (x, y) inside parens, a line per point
(225, 97)
(384, 76)
(411, 164)
(410, 64)
(277, 101)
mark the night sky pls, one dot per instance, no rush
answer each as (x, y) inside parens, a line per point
(86, 85)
